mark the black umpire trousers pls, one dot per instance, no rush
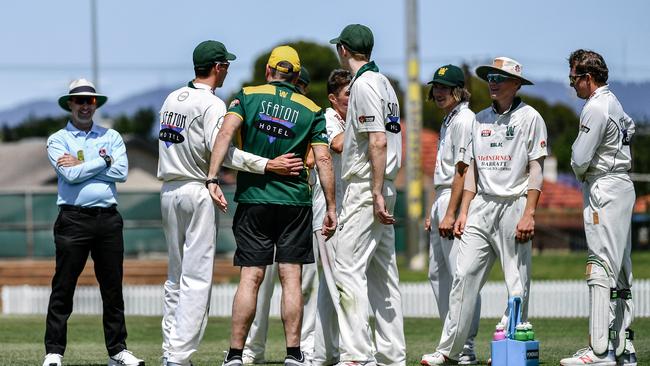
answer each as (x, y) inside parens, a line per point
(78, 232)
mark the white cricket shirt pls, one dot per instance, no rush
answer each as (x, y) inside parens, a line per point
(502, 146)
(455, 137)
(190, 119)
(373, 107)
(603, 142)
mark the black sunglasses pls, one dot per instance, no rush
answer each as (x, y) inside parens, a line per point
(84, 100)
(574, 78)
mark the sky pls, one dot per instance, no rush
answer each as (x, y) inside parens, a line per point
(145, 44)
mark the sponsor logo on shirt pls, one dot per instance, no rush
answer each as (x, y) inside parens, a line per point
(234, 103)
(496, 144)
(364, 119)
(102, 152)
(584, 129)
(275, 128)
(182, 96)
(393, 124)
(543, 144)
(486, 133)
(172, 125)
(510, 132)
(494, 162)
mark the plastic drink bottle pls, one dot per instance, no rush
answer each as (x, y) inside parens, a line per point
(529, 331)
(499, 333)
(520, 332)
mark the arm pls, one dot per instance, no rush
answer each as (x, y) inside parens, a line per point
(337, 143)
(231, 123)
(326, 176)
(592, 129)
(469, 193)
(310, 161)
(67, 166)
(119, 168)
(446, 227)
(377, 154)
(431, 197)
(526, 226)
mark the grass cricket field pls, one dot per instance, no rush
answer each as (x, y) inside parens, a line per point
(21, 340)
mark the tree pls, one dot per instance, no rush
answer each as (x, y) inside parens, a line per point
(140, 124)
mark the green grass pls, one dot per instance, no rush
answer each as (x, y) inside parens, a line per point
(21, 339)
(546, 266)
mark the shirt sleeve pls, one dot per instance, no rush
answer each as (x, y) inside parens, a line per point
(462, 137)
(467, 147)
(334, 126)
(593, 123)
(119, 168)
(537, 138)
(56, 147)
(369, 107)
(236, 105)
(318, 130)
(235, 158)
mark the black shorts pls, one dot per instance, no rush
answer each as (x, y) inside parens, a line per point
(262, 229)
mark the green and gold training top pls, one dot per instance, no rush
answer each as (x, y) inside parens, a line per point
(277, 120)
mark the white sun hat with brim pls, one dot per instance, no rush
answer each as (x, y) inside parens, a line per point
(504, 66)
(78, 88)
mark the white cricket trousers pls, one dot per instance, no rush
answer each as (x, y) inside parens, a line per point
(190, 226)
(256, 340)
(326, 334)
(366, 275)
(443, 254)
(608, 206)
(489, 235)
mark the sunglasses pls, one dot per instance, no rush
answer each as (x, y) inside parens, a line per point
(574, 78)
(496, 78)
(84, 100)
(224, 65)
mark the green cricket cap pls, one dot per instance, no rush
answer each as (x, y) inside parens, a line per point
(449, 75)
(208, 53)
(357, 38)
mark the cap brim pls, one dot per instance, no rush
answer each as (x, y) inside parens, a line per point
(336, 40)
(442, 82)
(483, 71)
(230, 56)
(63, 101)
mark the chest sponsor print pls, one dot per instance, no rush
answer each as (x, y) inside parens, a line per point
(486, 133)
(172, 125)
(275, 128)
(494, 162)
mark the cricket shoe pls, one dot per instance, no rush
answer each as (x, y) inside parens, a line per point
(467, 358)
(53, 359)
(125, 358)
(628, 358)
(292, 361)
(436, 358)
(234, 361)
(586, 356)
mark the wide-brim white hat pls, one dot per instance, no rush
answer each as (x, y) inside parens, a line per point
(81, 87)
(504, 66)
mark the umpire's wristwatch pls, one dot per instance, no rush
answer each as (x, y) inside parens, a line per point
(108, 160)
(214, 180)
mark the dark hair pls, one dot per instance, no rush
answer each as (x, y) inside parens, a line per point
(589, 62)
(203, 71)
(338, 80)
(459, 93)
(284, 76)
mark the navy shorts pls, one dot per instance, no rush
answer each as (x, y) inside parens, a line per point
(262, 230)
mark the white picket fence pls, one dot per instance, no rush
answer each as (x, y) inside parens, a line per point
(564, 299)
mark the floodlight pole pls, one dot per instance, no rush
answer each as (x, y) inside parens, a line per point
(93, 43)
(414, 232)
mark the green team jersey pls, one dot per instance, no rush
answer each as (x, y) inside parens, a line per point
(277, 120)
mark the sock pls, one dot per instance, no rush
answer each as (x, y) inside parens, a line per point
(295, 352)
(234, 352)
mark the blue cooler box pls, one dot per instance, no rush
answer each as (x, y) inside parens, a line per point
(510, 352)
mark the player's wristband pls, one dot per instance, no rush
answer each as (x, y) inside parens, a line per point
(214, 180)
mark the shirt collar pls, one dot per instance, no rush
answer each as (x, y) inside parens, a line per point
(196, 85)
(454, 112)
(603, 89)
(515, 103)
(285, 84)
(370, 66)
(75, 131)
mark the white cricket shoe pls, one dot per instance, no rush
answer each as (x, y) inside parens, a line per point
(234, 361)
(292, 361)
(586, 356)
(53, 359)
(437, 358)
(628, 358)
(467, 358)
(125, 358)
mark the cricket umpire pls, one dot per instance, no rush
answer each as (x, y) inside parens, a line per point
(273, 217)
(88, 160)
